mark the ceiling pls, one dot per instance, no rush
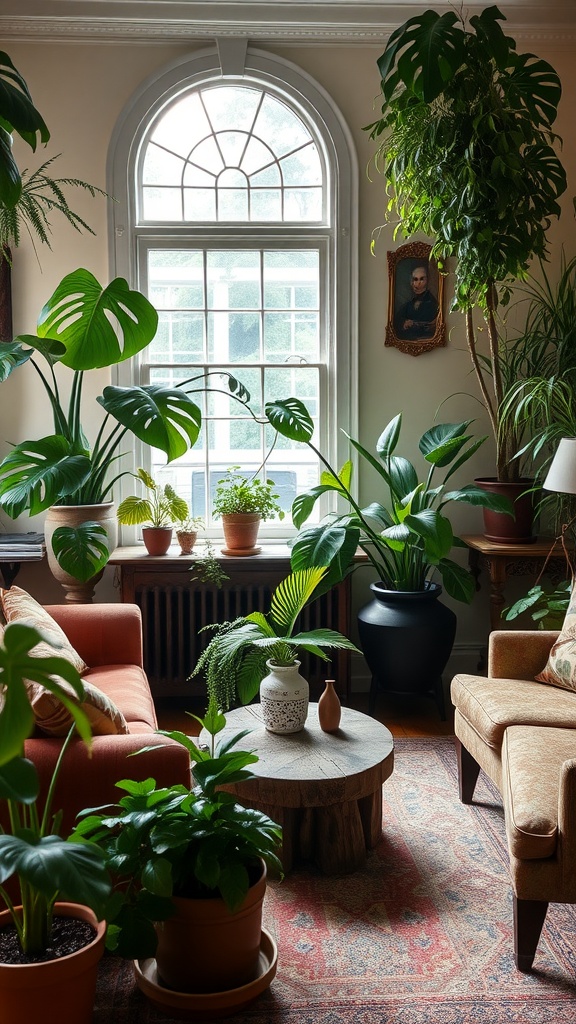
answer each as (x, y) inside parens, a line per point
(306, 22)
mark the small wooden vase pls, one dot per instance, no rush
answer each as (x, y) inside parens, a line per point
(329, 708)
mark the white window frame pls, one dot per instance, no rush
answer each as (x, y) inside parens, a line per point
(337, 236)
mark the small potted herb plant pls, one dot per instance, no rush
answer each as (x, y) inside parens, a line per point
(187, 532)
(161, 510)
(243, 502)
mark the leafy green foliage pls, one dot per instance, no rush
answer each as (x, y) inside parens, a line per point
(236, 493)
(41, 196)
(547, 606)
(234, 662)
(164, 842)
(163, 508)
(82, 551)
(32, 852)
(17, 114)
(466, 146)
(406, 534)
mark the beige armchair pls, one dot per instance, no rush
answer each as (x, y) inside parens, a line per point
(522, 733)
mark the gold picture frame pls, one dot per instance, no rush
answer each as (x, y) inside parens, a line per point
(416, 321)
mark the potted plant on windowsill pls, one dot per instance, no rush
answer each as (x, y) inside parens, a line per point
(258, 652)
(49, 949)
(243, 502)
(187, 532)
(85, 326)
(161, 510)
(467, 150)
(190, 870)
(406, 537)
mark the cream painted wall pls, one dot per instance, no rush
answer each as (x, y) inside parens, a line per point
(81, 90)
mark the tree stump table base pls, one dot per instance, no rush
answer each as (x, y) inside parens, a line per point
(324, 789)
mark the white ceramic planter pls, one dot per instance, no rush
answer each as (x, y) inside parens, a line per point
(284, 696)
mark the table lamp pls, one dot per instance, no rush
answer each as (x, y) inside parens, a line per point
(562, 473)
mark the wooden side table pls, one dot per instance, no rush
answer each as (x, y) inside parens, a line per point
(324, 789)
(504, 560)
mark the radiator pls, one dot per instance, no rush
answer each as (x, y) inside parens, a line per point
(173, 616)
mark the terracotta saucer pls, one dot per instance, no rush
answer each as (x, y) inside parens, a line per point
(241, 552)
(211, 1005)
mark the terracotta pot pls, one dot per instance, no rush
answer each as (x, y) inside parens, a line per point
(501, 528)
(186, 540)
(55, 990)
(157, 539)
(204, 947)
(74, 515)
(241, 533)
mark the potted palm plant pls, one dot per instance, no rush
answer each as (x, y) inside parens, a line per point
(243, 502)
(467, 148)
(258, 652)
(85, 326)
(49, 949)
(161, 510)
(190, 870)
(406, 537)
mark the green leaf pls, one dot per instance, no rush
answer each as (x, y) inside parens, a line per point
(291, 595)
(290, 417)
(304, 503)
(324, 541)
(19, 781)
(12, 355)
(458, 582)
(76, 871)
(424, 46)
(98, 326)
(36, 474)
(386, 443)
(536, 85)
(165, 418)
(435, 530)
(81, 551)
(474, 495)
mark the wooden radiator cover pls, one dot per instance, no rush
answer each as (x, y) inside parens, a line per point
(175, 608)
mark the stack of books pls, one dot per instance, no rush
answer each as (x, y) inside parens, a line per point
(22, 547)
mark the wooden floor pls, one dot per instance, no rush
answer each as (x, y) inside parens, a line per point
(404, 716)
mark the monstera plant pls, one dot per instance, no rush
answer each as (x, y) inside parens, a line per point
(86, 326)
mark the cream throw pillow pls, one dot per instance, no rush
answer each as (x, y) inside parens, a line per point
(560, 669)
(50, 715)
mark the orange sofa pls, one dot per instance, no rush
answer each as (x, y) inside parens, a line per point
(109, 639)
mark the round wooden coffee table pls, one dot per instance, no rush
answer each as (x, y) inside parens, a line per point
(324, 789)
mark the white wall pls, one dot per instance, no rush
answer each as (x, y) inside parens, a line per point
(81, 90)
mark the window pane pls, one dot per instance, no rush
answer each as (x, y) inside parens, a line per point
(179, 338)
(162, 168)
(303, 204)
(230, 106)
(182, 126)
(303, 167)
(162, 203)
(227, 406)
(288, 335)
(234, 337)
(276, 121)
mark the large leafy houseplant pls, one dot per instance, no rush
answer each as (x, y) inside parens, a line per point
(467, 150)
(17, 114)
(234, 662)
(86, 326)
(237, 494)
(169, 842)
(43, 865)
(162, 508)
(406, 533)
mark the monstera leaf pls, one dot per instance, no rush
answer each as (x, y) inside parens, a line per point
(81, 550)
(37, 474)
(165, 418)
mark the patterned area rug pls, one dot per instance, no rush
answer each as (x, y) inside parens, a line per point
(422, 935)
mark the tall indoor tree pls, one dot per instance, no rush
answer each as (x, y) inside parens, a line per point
(467, 150)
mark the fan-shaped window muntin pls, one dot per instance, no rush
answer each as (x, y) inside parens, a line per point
(231, 153)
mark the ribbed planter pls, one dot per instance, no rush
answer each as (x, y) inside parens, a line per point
(204, 947)
(55, 991)
(74, 515)
(407, 638)
(501, 528)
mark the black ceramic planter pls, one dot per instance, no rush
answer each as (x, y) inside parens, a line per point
(407, 638)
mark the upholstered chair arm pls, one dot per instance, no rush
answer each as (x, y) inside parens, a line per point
(567, 826)
(518, 653)
(103, 634)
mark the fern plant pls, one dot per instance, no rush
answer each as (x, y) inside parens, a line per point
(234, 662)
(41, 196)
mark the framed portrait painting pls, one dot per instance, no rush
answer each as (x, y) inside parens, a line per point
(416, 321)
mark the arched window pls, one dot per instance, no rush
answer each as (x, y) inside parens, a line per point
(236, 183)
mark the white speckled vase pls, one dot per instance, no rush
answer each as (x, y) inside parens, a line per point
(284, 697)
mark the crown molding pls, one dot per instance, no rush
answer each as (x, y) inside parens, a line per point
(314, 22)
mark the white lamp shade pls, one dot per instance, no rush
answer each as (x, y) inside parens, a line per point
(562, 473)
